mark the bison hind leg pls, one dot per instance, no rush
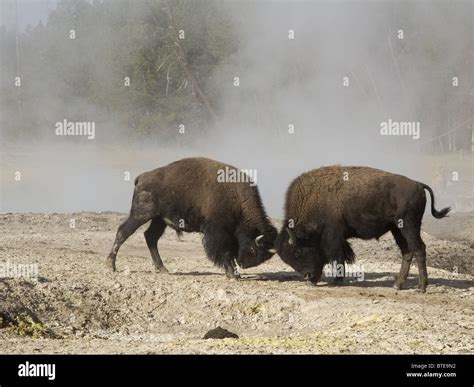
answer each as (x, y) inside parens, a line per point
(406, 258)
(152, 235)
(124, 231)
(410, 243)
(140, 213)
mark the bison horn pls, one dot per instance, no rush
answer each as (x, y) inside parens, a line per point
(257, 240)
(272, 251)
(291, 234)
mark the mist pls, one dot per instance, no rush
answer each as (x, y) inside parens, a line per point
(315, 81)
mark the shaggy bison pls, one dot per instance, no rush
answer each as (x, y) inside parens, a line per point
(187, 196)
(327, 206)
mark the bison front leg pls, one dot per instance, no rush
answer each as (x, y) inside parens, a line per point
(334, 248)
(231, 269)
(221, 247)
(339, 272)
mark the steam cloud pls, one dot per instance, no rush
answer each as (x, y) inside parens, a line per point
(283, 83)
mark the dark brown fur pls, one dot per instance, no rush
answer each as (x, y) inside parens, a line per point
(326, 210)
(187, 196)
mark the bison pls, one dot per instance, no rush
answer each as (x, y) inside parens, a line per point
(327, 206)
(187, 196)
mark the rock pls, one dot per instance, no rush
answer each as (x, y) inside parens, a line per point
(220, 333)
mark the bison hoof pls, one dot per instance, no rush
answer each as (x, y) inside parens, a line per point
(421, 290)
(111, 265)
(233, 276)
(397, 286)
(162, 270)
(310, 283)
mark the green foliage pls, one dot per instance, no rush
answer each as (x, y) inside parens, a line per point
(84, 78)
(24, 325)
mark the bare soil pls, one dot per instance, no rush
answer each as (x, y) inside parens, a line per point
(78, 306)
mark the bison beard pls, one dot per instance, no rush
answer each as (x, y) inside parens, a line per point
(186, 196)
(329, 205)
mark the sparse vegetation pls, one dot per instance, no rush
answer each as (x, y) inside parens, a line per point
(25, 325)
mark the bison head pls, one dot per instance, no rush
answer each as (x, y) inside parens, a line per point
(298, 248)
(256, 248)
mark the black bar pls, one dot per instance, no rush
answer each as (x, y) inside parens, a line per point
(318, 370)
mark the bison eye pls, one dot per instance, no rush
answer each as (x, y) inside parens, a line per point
(252, 251)
(297, 253)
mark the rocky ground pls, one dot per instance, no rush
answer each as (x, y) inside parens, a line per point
(77, 306)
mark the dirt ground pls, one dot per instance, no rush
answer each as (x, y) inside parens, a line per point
(78, 306)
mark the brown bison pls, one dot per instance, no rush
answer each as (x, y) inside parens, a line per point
(327, 206)
(187, 196)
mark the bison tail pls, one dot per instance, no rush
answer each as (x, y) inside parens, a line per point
(434, 212)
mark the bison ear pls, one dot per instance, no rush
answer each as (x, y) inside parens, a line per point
(257, 240)
(291, 235)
